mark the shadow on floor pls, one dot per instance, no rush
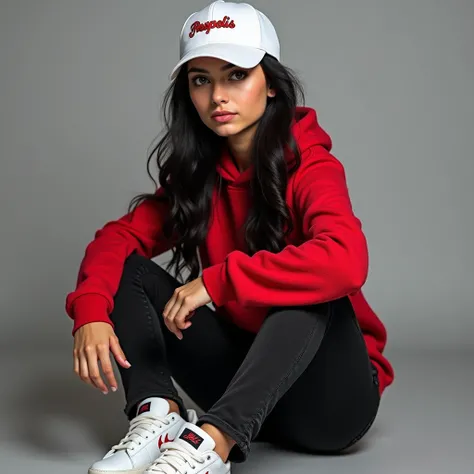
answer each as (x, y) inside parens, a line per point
(56, 414)
(53, 405)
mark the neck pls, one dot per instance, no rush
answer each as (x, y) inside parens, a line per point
(240, 148)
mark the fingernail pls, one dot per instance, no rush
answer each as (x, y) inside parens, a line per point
(127, 363)
(105, 392)
(114, 389)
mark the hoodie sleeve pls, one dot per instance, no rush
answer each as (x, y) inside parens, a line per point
(332, 261)
(102, 264)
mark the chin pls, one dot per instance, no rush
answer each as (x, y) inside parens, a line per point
(226, 130)
(223, 133)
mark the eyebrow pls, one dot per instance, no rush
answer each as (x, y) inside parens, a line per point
(223, 68)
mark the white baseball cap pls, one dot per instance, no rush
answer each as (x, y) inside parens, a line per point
(234, 32)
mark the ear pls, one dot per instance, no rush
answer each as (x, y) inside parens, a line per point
(271, 92)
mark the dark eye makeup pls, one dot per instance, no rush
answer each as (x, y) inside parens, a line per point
(243, 74)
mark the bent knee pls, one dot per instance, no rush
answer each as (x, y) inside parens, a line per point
(135, 260)
(330, 443)
(135, 265)
(320, 446)
(133, 269)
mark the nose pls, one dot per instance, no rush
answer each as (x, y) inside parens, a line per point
(219, 94)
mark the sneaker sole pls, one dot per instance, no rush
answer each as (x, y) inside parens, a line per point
(128, 471)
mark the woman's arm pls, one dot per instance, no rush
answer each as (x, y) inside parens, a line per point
(331, 263)
(102, 265)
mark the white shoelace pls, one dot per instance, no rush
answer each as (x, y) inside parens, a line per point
(140, 428)
(176, 459)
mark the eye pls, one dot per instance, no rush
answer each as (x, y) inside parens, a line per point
(195, 78)
(244, 74)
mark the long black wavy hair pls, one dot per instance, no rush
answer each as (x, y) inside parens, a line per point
(187, 155)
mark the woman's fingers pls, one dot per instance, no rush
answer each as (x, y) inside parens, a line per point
(118, 353)
(171, 325)
(84, 369)
(177, 312)
(104, 357)
(171, 302)
(181, 319)
(94, 373)
(77, 366)
(92, 345)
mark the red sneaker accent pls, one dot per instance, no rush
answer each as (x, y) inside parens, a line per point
(192, 437)
(166, 440)
(145, 407)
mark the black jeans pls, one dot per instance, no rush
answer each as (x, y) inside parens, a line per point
(304, 381)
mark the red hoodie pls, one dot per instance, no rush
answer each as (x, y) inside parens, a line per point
(325, 258)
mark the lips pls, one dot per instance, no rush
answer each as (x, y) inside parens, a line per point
(225, 112)
(224, 118)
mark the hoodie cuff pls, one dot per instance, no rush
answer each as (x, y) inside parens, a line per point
(215, 281)
(90, 308)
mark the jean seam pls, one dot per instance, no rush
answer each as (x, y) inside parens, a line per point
(293, 366)
(141, 271)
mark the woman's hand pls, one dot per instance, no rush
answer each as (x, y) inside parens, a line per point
(92, 343)
(182, 305)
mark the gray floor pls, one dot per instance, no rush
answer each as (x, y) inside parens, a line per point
(53, 423)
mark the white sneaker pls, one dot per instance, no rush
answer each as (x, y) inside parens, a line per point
(191, 451)
(151, 427)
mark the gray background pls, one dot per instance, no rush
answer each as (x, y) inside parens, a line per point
(80, 89)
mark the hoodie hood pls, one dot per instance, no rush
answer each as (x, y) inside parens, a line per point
(307, 133)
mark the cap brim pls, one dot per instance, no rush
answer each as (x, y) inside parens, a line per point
(242, 56)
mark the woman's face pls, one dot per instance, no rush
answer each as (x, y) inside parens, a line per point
(215, 85)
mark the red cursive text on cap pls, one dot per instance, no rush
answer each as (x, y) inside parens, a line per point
(198, 27)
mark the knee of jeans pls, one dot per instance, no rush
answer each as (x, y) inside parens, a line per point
(132, 270)
(134, 260)
(130, 273)
(321, 445)
(133, 263)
